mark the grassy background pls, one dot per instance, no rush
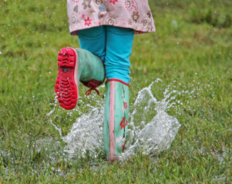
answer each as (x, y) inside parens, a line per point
(190, 50)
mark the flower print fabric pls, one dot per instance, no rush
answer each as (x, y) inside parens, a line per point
(123, 123)
(133, 14)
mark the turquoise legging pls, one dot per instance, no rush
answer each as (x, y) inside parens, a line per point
(113, 45)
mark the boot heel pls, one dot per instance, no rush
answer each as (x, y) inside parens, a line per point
(67, 57)
(66, 81)
(112, 158)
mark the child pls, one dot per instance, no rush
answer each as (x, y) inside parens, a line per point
(105, 29)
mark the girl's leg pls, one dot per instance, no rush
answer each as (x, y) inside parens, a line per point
(119, 43)
(81, 65)
(94, 40)
(118, 49)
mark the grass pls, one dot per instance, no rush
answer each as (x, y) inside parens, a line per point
(190, 50)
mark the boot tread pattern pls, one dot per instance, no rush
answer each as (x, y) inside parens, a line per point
(66, 58)
(65, 86)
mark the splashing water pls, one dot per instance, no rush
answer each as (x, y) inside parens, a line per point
(86, 134)
(151, 129)
(158, 134)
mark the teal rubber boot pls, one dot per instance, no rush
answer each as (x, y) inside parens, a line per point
(76, 65)
(116, 118)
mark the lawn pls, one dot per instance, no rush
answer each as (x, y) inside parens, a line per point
(191, 52)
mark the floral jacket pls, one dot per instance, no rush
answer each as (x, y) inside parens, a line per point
(133, 14)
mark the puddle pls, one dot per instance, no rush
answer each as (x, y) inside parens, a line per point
(150, 129)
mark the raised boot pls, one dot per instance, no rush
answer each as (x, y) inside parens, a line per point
(116, 118)
(76, 65)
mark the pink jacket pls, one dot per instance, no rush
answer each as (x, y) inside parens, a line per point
(133, 14)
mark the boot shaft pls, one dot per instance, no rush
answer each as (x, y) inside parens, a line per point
(90, 67)
(116, 118)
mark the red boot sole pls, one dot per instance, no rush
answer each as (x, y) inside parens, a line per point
(66, 82)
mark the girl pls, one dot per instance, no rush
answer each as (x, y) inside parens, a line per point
(105, 29)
